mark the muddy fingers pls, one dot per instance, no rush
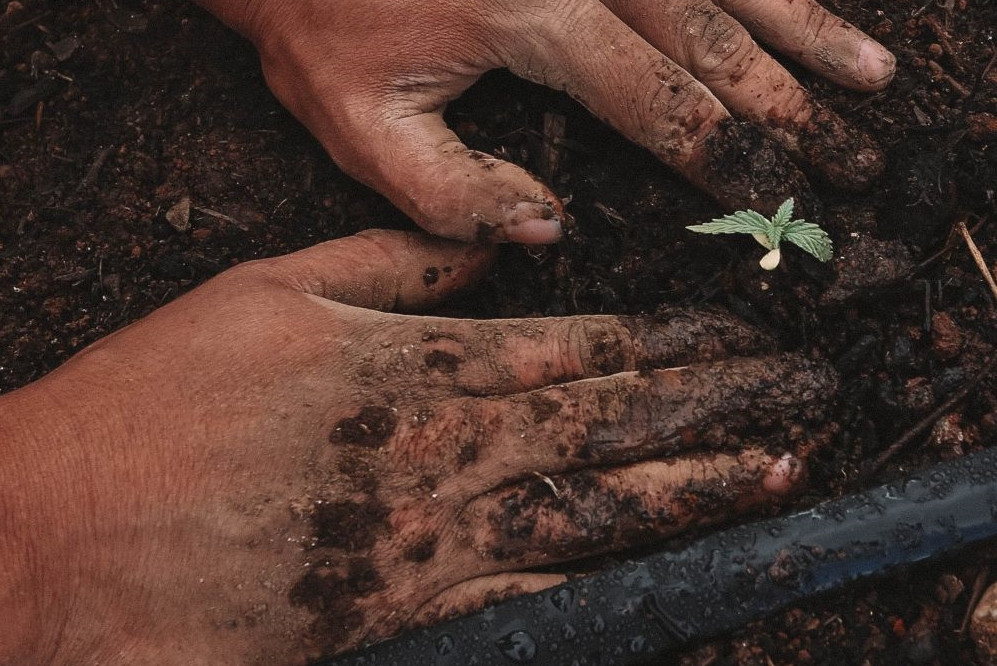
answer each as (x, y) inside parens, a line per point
(720, 52)
(423, 498)
(470, 446)
(371, 81)
(653, 101)
(448, 189)
(501, 357)
(560, 518)
(819, 40)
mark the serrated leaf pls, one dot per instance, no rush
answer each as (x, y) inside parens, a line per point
(810, 238)
(741, 222)
(784, 214)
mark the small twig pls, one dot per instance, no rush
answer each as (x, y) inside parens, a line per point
(98, 163)
(917, 12)
(960, 226)
(610, 214)
(221, 216)
(550, 484)
(551, 150)
(928, 421)
(949, 242)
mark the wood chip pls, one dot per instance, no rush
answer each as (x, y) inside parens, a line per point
(179, 215)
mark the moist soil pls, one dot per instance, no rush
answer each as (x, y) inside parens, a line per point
(115, 114)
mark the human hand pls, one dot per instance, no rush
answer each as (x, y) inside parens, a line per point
(370, 79)
(264, 471)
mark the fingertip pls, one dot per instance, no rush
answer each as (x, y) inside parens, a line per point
(534, 223)
(462, 194)
(784, 475)
(527, 222)
(876, 64)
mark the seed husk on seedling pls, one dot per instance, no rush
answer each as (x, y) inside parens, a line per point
(769, 232)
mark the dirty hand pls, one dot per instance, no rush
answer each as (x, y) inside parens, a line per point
(264, 468)
(370, 79)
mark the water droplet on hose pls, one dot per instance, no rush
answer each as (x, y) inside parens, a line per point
(518, 646)
(563, 599)
(444, 644)
(598, 624)
(568, 632)
(637, 644)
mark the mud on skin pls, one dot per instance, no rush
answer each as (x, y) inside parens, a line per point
(748, 170)
(330, 590)
(846, 157)
(364, 533)
(370, 428)
(609, 518)
(714, 410)
(693, 335)
(445, 362)
(349, 525)
(587, 506)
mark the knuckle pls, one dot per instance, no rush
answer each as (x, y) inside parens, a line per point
(723, 48)
(536, 32)
(815, 23)
(678, 95)
(381, 246)
(450, 436)
(600, 346)
(453, 197)
(436, 205)
(680, 113)
(256, 271)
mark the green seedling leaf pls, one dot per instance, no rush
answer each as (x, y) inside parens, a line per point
(784, 214)
(805, 235)
(741, 222)
(809, 237)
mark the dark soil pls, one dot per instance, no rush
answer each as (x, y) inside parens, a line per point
(157, 102)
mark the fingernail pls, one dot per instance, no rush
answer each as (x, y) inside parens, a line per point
(875, 63)
(535, 232)
(533, 223)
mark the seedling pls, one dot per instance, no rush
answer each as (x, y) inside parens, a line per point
(770, 232)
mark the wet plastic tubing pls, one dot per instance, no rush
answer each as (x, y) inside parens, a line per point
(644, 608)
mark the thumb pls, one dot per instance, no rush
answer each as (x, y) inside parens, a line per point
(382, 270)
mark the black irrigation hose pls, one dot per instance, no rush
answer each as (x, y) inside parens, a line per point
(647, 607)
